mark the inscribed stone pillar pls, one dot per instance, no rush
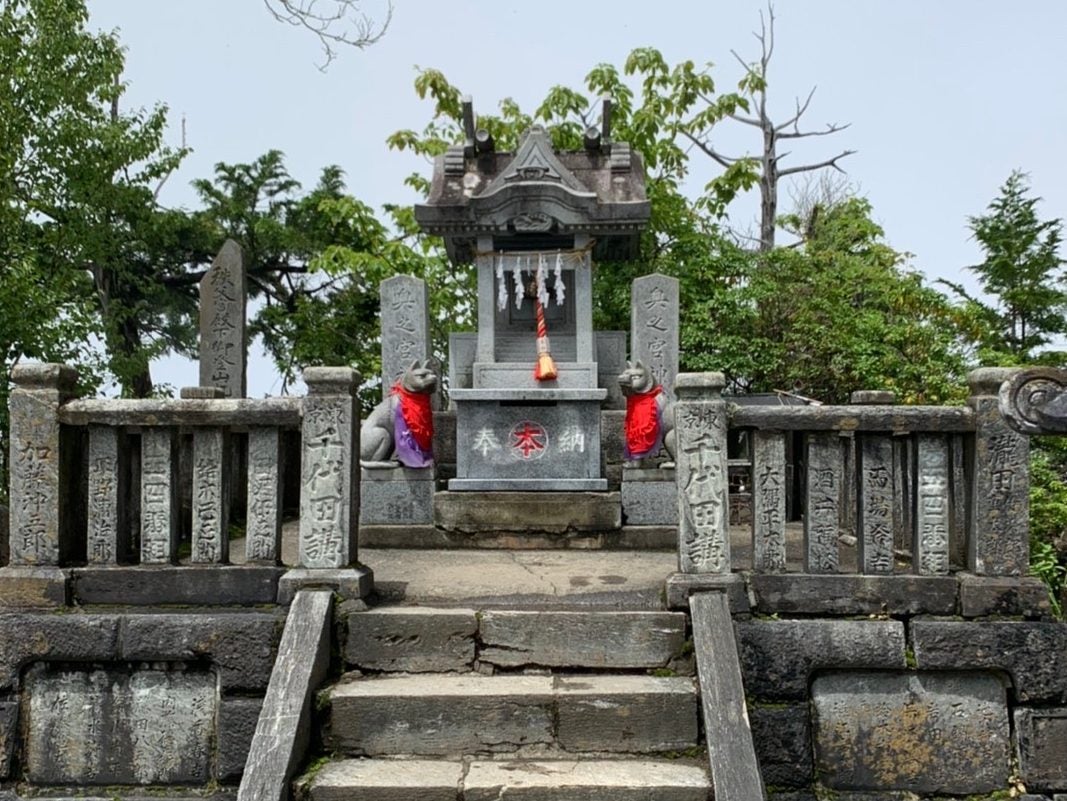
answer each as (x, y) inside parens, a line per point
(405, 326)
(998, 541)
(701, 472)
(875, 474)
(329, 500)
(822, 502)
(932, 505)
(39, 470)
(159, 496)
(108, 532)
(211, 502)
(223, 344)
(265, 492)
(768, 501)
(654, 326)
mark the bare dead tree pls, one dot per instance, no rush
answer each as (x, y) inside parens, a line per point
(336, 23)
(813, 194)
(770, 169)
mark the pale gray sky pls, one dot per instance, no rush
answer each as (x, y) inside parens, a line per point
(944, 98)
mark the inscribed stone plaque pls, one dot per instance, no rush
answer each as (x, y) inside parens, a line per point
(223, 344)
(700, 470)
(405, 326)
(1000, 512)
(927, 733)
(115, 726)
(1042, 748)
(874, 470)
(265, 482)
(654, 326)
(159, 498)
(932, 505)
(329, 500)
(107, 529)
(211, 452)
(768, 501)
(822, 502)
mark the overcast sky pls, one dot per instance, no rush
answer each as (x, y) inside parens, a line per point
(944, 98)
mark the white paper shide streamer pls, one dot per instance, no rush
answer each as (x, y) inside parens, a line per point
(516, 273)
(542, 288)
(561, 291)
(501, 284)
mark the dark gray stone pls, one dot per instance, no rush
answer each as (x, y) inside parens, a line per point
(396, 496)
(9, 718)
(782, 736)
(5, 535)
(240, 644)
(223, 342)
(58, 638)
(237, 726)
(283, 729)
(157, 412)
(778, 657)
(798, 593)
(1041, 740)
(523, 511)
(649, 497)
(352, 582)
(216, 585)
(102, 727)
(681, 585)
(1032, 653)
(444, 438)
(1006, 596)
(846, 419)
(654, 326)
(922, 732)
(411, 639)
(29, 587)
(734, 769)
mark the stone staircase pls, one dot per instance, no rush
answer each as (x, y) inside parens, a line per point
(538, 705)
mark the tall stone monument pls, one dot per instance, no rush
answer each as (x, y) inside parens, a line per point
(223, 340)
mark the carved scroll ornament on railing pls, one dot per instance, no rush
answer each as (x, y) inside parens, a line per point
(1035, 401)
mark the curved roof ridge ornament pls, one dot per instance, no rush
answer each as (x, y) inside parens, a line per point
(1035, 401)
(536, 162)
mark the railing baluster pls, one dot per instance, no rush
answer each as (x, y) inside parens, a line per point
(932, 506)
(107, 530)
(159, 496)
(822, 502)
(768, 501)
(875, 472)
(211, 502)
(265, 483)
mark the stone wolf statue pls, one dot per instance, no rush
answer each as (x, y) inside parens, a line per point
(399, 431)
(649, 416)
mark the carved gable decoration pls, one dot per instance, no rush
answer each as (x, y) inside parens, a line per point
(535, 162)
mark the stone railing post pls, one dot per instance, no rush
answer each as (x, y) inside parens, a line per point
(329, 487)
(998, 541)
(700, 425)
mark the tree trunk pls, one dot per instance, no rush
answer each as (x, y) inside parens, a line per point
(768, 189)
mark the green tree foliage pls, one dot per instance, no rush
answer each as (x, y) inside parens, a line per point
(1024, 303)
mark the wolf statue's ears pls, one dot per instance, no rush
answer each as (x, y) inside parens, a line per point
(640, 365)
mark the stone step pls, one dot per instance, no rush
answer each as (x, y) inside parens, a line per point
(543, 512)
(441, 715)
(520, 780)
(429, 639)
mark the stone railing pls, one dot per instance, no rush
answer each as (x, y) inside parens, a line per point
(885, 489)
(96, 483)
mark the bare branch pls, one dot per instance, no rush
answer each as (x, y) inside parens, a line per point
(340, 24)
(725, 161)
(163, 180)
(831, 128)
(822, 164)
(747, 120)
(801, 108)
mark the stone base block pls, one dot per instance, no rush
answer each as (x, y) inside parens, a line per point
(527, 484)
(217, 585)
(681, 585)
(797, 593)
(400, 496)
(1003, 596)
(9, 716)
(649, 497)
(661, 538)
(236, 727)
(356, 581)
(528, 511)
(31, 587)
(411, 639)
(1042, 748)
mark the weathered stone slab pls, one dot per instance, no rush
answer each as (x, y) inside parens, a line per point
(156, 412)
(223, 342)
(240, 644)
(778, 657)
(211, 490)
(631, 714)
(236, 727)
(266, 481)
(822, 502)
(1032, 653)
(386, 780)
(999, 542)
(586, 779)
(877, 499)
(400, 496)
(1041, 739)
(348, 582)
(847, 419)
(580, 639)
(28, 587)
(922, 732)
(100, 727)
(932, 513)
(768, 501)
(411, 639)
(57, 638)
(159, 496)
(651, 501)
(654, 326)
(782, 736)
(9, 718)
(108, 531)
(219, 585)
(329, 502)
(1004, 596)
(734, 770)
(681, 585)
(405, 308)
(283, 729)
(518, 511)
(798, 593)
(701, 470)
(39, 472)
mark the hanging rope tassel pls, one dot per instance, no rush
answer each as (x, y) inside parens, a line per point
(546, 368)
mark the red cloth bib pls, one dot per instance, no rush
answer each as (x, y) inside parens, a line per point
(418, 414)
(642, 422)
